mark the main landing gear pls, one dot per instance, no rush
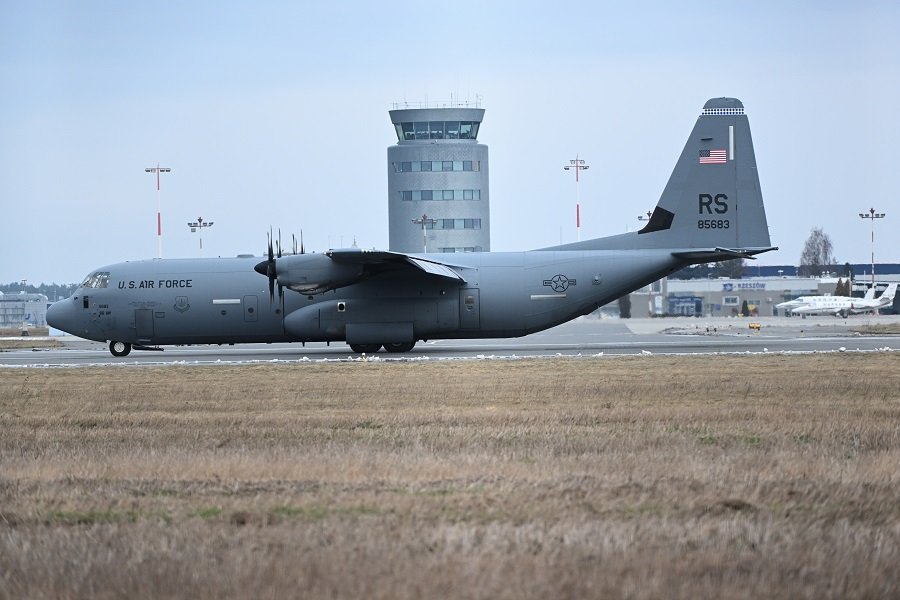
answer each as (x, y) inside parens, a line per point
(119, 348)
(373, 348)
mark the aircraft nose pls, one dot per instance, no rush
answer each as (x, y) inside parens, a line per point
(61, 314)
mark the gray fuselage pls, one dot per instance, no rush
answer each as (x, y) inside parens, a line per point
(220, 301)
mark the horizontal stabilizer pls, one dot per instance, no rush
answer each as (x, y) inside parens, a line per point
(716, 254)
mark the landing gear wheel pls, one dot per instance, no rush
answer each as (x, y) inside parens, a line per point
(119, 348)
(365, 348)
(400, 347)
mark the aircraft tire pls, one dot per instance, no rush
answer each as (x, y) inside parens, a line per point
(400, 347)
(119, 348)
(365, 348)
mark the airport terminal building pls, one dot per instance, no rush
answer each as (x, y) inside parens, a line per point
(725, 297)
(438, 198)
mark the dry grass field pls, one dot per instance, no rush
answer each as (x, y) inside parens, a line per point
(642, 477)
(29, 341)
(879, 329)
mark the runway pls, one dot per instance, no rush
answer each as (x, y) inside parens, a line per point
(586, 336)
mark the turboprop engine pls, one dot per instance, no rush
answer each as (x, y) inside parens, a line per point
(309, 273)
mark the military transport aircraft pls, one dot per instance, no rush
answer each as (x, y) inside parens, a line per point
(711, 210)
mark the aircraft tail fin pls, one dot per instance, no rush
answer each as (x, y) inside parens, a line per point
(889, 293)
(870, 293)
(713, 198)
(711, 208)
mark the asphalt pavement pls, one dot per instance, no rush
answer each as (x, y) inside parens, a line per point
(586, 336)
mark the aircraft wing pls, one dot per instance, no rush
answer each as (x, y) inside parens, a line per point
(319, 273)
(359, 256)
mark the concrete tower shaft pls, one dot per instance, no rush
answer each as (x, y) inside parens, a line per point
(438, 178)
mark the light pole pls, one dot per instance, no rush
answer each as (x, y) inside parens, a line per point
(198, 227)
(578, 165)
(424, 221)
(157, 169)
(872, 216)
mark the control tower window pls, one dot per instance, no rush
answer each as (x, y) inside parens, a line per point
(437, 130)
(454, 224)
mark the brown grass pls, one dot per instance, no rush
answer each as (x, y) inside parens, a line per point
(879, 329)
(636, 477)
(17, 331)
(26, 343)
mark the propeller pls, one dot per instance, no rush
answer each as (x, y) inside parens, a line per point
(267, 268)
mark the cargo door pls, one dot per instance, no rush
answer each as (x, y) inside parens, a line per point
(143, 324)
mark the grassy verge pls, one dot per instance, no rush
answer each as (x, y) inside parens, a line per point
(757, 476)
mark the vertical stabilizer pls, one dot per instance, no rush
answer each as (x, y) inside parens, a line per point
(713, 197)
(711, 207)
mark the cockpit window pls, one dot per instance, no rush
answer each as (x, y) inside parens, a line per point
(100, 279)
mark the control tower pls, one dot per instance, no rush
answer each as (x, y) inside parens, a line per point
(438, 196)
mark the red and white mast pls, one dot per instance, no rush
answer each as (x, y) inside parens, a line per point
(157, 169)
(577, 165)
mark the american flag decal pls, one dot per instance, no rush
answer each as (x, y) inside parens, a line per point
(712, 157)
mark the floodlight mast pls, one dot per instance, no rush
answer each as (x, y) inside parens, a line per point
(577, 164)
(197, 226)
(157, 169)
(424, 221)
(872, 215)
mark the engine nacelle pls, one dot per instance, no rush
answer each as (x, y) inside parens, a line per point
(315, 273)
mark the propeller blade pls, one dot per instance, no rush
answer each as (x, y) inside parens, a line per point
(270, 270)
(279, 242)
(302, 250)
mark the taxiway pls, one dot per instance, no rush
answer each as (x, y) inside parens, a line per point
(586, 336)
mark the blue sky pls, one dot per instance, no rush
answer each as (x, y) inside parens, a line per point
(276, 113)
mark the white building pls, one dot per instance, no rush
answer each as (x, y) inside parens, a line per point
(23, 309)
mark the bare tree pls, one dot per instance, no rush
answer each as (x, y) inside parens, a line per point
(842, 288)
(818, 253)
(733, 269)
